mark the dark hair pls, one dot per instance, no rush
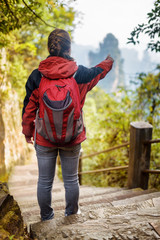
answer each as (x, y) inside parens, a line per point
(59, 44)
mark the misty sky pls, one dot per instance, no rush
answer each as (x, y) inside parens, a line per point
(116, 16)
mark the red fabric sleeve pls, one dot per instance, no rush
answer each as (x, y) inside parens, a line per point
(28, 120)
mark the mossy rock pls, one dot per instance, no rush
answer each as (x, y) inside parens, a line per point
(13, 224)
(4, 187)
(4, 234)
(11, 221)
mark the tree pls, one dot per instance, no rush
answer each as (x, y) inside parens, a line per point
(109, 46)
(151, 29)
(24, 28)
(17, 14)
(14, 13)
(147, 101)
(25, 25)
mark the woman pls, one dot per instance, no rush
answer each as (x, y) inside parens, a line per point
(59, 65)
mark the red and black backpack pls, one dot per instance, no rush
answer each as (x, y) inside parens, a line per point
(59, 117)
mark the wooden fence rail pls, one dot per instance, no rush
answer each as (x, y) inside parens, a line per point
(139, 156)
(152, 141)
(151, 171)
(105, 170)
(107, 150)
(100, 170)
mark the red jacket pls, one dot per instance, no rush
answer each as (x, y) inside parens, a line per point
(54, 68)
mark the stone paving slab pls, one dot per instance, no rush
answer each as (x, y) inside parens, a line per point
(136, 199)
(100, 224)
(30, 208)
(107, 213)
(156, 226)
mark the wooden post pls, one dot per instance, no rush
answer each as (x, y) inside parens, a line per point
(80, 167)
(139, 158)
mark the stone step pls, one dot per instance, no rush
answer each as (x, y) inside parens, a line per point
(59, 188)
(102, 223)
(86, 193)
(29, 210)
(87, 196)
(107, 213)
(58, 194)
(116, 196)
(23, 182)
(136, 199)
(33, 216)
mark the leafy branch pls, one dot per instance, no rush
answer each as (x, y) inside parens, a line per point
(36, 15)
(16, 13)
(151, 28)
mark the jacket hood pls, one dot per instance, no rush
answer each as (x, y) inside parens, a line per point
(57, 67)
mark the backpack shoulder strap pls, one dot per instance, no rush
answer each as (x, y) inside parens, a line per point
(74, 74)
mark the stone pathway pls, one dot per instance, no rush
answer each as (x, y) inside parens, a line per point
(106, 213)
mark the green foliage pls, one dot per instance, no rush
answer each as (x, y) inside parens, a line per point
(4, 177)
(25, 26)
(11, 237)
(147, 100)
(151, 29)
(15, 14)
(106, 128)
(108, 119)
(147, 107)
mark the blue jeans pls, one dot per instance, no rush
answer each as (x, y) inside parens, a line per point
(46, 157)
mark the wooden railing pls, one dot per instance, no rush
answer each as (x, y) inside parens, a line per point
(157, 171)
(104, 169)
(139, 156)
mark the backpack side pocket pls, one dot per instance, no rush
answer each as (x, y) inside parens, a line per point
(40, 128)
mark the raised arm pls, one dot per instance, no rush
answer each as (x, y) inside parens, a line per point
(103, 68)
(86, 75)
